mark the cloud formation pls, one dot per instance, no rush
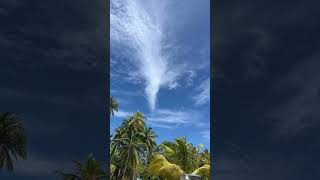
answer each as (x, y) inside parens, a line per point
(149, 48)
(203, 95)
(143, 32)
(166, 118)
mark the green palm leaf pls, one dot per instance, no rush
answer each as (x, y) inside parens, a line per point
(12, 141)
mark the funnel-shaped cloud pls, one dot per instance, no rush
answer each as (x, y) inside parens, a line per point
(136, 25)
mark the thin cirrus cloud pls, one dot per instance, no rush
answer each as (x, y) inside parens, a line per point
(135, 27)
(169, 119)
(205, 134)
(203, 95)
(122, 114)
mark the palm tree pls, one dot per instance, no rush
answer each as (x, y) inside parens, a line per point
(91, 170)
(136, 122)
(132, 151)
(180, 153)
(149, 136)
(112, 169)
(130, 144)
(114, 106)
(12, 140)
(179, 156)
(204, 157)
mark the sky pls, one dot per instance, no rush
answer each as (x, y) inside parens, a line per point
(266, 90)
(160, 65)
(266, 101)
(53, 77)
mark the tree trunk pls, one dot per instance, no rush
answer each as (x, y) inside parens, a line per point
(133, 174)
(124, 170)
(118, 176)
(125, 167)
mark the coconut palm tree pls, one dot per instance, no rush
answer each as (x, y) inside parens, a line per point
(129, 150)
(90, 170)
(178, 156)
(180, 153)
(114, 106)
(136, 122)
(12, 140)
(112, 169)
(130, 145)
(148, 137)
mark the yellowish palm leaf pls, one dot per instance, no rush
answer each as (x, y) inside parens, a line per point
(171, 172)
(157, 162)
(160, 166)
(203, 171)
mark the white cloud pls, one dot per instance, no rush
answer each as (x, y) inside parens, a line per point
(171, 119)
(190, 78)
(122, 114)
(166, 118)
(205, 134)
(203, 95)
(149, 41)
(173, 85)
(139, 25)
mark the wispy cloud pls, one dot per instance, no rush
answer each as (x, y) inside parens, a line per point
(133, 24)
(170, 119)
(166, 118)
(122, 114)
(203, 95)
(190, 78)
(205, 134)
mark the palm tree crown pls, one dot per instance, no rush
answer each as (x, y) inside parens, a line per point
(114, 106)
(12, 140)
(90, 170)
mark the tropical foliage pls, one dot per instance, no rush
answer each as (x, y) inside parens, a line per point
(134, 153)
(12, 141)
(114, 106)
(181, 158)
(90, 170)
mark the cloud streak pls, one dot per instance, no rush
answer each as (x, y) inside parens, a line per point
(169, 119)
(134, 26)
(203, 95)
(122, 114)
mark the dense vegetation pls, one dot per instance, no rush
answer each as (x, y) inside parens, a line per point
(133, 150)
(12, 141)
(135, 154)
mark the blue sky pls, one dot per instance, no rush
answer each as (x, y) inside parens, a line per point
(160, 65)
